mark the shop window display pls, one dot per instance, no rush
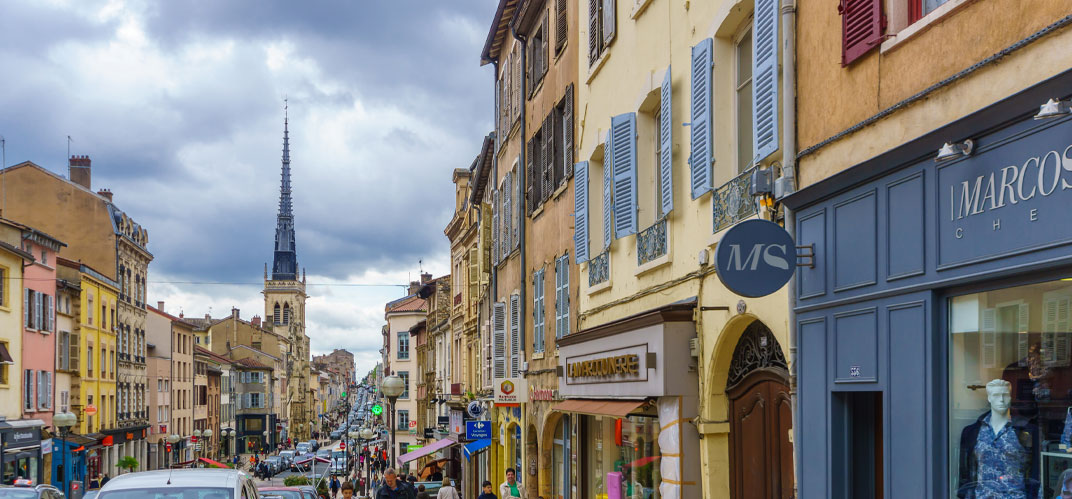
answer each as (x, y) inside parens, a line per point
(622, 450)
(1011, 391)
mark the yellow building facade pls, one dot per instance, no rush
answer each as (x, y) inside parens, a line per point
(99, 299)
(12, 261)
(678, 113)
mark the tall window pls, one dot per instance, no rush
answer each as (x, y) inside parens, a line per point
(286, 313)
(28, 390)
(562, 298)
(405, 383)
(403, 345)
(3, 287)
(403, 419)
(89, 361)
(276, 318)
(89, 309)
(601, 24)
(744, 98)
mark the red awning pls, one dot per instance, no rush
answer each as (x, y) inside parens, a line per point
(212, 463)
(616, 408)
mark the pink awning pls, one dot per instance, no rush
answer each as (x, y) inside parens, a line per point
(424, 451)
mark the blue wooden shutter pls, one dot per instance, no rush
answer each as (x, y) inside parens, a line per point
(580, 211)
(666, 144)
(515, 335)
(498, 340)
(623, 150)
(700, 143)
(495, 227)
(608, 211)
(765, 80)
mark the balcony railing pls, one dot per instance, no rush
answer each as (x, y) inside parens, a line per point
(651, 242)
(599, 269)
(731, 201)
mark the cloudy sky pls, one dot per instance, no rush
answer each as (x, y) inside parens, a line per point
(180, 106)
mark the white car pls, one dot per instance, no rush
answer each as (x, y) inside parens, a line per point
(181, 483)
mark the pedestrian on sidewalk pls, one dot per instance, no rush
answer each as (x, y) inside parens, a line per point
(347, 490)
(421, 493)
(335, 487)
(447, 491)
(487, 491)
(511, 488)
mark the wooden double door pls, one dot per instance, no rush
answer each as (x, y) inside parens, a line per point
(761, 454)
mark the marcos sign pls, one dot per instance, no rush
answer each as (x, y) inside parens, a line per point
(755, 258)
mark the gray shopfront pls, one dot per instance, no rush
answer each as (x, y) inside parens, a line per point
(935, 352)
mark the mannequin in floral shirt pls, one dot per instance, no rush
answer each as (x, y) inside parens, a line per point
(999, 453)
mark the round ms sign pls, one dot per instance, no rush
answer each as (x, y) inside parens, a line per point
(755, 258)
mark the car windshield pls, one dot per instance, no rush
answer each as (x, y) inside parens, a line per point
(168, 493)
(281, 494)
(17, 493)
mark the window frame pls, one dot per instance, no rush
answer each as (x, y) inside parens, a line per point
(745, 31)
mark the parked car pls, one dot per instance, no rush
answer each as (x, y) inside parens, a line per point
(190, 483)
(303, 448)
(282, 493)
(275, 464)
(335, 434)
(308, 491)
(288, 458)
(42, 491)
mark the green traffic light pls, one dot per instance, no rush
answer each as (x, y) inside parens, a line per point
(377, 409)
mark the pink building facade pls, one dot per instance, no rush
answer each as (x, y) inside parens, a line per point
(39, 335)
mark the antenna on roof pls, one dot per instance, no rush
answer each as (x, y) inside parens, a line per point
(69, 140)
(3, 186)
(420, 263)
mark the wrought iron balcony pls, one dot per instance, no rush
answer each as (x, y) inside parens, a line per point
(599, 269)
(731, 202)
(651, 242)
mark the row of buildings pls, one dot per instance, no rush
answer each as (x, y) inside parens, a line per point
(78, 335)
(917, 151)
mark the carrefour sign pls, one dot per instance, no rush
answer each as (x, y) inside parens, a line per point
(755, 258)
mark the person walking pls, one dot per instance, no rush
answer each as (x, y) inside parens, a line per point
(487, 491)
(392, 487)
(347, 490)
(104, 480)
(447, 491)
(421, 493)
(511, 488)
(335, 487)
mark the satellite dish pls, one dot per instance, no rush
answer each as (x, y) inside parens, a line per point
(475, 409)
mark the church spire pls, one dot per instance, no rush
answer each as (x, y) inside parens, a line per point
(285, 264)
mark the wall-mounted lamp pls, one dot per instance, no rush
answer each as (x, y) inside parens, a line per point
(954, 150)
(1054, 108)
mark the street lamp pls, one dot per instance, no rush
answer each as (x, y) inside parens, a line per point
(366, 436)
(173, 439)
(223, 441)
(264, 445)
(392, 388)
(197, 441)
(64, 421)
(207, 434)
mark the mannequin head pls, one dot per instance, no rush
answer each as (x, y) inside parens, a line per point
(999, 394)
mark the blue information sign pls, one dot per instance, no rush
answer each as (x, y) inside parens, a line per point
(476, 430)
(755, 258)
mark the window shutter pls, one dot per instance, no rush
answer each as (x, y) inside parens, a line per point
(608, 209)
(565, 329)
(515, 220)
(700, 143)
(536, 324)
(594, 41)
(495, 227)
(623, 150)
(41, 390)
(862, 24)
(505, 217)
(580, 211)
(26, 312)
(567, 132)
(498, 339)
(560, 24)
(609, 20)
(74, 351)
(515, 335)
(518, 81)
(765, 80)
(50, 313)
(548, 156)
(48, 390)
(532, 188)
(666, 144)
(39, 313)
(544, 48)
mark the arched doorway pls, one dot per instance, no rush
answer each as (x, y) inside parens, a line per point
(761, 455)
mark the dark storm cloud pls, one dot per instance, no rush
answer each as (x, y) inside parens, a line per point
(192, 148)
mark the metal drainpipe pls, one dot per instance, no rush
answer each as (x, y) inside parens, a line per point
(494, 294)
(789, 153)
(521, 202)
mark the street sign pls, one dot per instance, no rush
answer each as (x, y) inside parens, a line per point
(167, 447)
(377, 409)
(755, 258)
(476, 430)
(411, 447)
(413, 424)
(342, 445)
(91, 410)
(429, 433)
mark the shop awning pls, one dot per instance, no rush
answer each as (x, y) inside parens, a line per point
(424, 451)
(615, 408)
(213, 463)
(475, 447)
(5, 356)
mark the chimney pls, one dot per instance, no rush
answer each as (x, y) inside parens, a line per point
(425, 277)
(414, 286)
(208, 317)
(256, 320)
(78, 170)
(105, 193)
(160, 306)
(234, 313)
